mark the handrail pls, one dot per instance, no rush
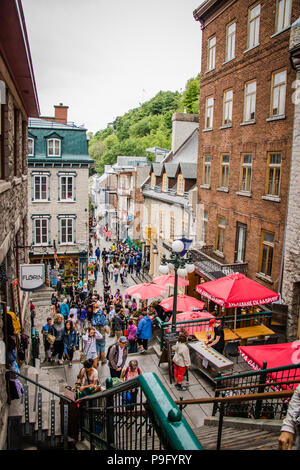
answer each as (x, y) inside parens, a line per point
(62, 397)
(165, 416)
(257, 372)
(266, 384)
(237, 398)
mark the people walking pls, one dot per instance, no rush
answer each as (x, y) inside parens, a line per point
(181, 361)
(132, 337)
(58, 346)
(64, 309)
(47, 329)
(90, 347)
(70, 340)
(144, 332)
(117, 355)
(100, 323)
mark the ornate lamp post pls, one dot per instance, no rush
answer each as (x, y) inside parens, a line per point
(182, 266)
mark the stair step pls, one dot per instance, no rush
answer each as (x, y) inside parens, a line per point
(237, 439)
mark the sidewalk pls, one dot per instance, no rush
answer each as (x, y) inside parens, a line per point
(148, 362)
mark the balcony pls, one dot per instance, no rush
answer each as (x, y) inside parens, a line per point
(206, 263)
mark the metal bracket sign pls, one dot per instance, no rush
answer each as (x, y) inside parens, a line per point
(32, 276)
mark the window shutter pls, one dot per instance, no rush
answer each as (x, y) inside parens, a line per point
(58, 188)
(59, 231)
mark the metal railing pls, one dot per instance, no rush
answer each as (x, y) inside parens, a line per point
(34, 407)
(261, 381)
(207, 259)
(136, 415)
(222, 403)
(201, 324)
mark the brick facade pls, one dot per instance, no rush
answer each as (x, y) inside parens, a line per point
(255, 210)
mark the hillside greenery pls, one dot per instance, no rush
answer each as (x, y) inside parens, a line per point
(149, 125)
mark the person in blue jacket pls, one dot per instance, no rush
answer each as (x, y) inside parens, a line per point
(70, 340)
(64, 309)
(144, 332)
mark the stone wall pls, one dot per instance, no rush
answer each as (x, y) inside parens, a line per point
(291, 274)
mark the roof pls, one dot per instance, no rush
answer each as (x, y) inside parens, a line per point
(189, 170)
(205, 7)
(15, 51)
(166, 197)
(157, 169)
(45, 123)
(171, 169)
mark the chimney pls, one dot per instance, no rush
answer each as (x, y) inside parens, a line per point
(183, 125)
(61, 113)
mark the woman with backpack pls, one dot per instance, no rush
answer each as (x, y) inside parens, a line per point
(70, 339)
(132, 371)
(90, 347)
(82, 317)
(100, 322)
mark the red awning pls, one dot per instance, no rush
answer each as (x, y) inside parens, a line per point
(184, 303)
(236, 290)
(275, 355)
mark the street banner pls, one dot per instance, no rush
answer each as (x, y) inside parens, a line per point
(187, 243)
(32, 276)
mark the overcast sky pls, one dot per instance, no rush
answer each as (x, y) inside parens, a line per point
(105, 57)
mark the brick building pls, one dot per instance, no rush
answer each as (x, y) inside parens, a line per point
(18, 102)
(245, 136)
(58, 217)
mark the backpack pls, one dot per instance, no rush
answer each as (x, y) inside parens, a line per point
(108, 351)
(99, 319)
(15, 322)
(127, 370)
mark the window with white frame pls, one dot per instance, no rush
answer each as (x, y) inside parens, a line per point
(180, 185)
(67, 230)
(278, 93)
(40, 188)
(227, 107)
(30, 147)
(165, 183)
(230, 42)
(206, 170)
(53, 147)
(211, 54)
(209, 113)
(204, 221)
(250, 101)
(253, 26)
(283, 14)
(67, 192)
(41, 231)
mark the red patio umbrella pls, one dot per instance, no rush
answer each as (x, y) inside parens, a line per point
(275, 355)
(186, 316)
(146, 290)
(169, 280)
(236, 290)
(184, 303)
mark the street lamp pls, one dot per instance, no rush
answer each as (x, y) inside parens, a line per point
(181, 266)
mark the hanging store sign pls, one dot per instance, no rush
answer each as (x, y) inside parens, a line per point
(32, 276)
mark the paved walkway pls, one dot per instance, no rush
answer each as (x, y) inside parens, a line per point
(198, 386)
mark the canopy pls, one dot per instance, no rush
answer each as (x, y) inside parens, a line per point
(184, 303)
(275, 355)
(146, 290)
(236, 290)
(190, 329)
(169, 280)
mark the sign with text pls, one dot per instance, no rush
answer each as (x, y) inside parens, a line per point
(32, 276)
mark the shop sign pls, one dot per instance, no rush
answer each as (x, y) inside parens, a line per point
(32, 276)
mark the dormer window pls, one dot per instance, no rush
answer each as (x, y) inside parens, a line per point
(53, 148)
(165, 183)
(180, 185)
(153, 180)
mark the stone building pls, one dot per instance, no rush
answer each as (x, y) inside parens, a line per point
(58, 217)
(18, 101)
(291, 271)
(245, 136)
(170, 192)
